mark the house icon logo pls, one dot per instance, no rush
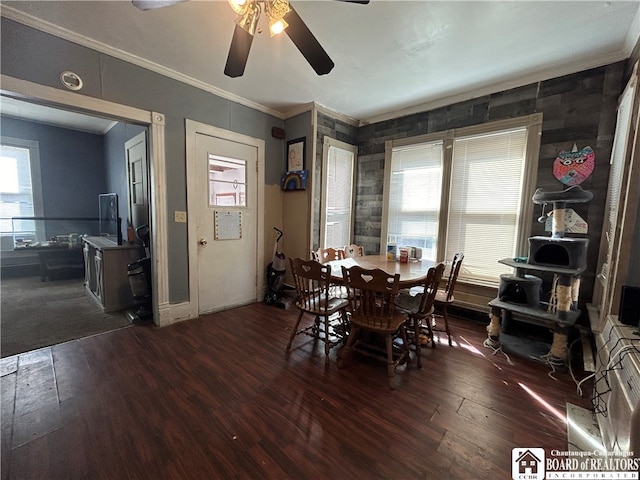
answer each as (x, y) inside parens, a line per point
(527, 463)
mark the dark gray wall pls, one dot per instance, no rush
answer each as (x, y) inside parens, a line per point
(71, 166)
(38, 57)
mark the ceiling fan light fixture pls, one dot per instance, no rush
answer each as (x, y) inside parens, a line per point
(248, 20)
(277, 26)
(238, 6)
(276, 10)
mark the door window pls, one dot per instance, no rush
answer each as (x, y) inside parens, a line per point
(227, 181)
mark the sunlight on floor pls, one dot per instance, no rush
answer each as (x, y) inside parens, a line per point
(469, 346)
(594, 443)
(556, 413)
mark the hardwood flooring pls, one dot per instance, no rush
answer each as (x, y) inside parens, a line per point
(216, 398)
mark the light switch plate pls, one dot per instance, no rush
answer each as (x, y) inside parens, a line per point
(180, 217)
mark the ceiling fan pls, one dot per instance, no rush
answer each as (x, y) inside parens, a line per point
(281, 17)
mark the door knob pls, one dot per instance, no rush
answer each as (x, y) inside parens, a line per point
(203, 241)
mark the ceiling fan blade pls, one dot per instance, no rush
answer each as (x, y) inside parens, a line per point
(153, 4)
(238, 52)
(310, 48)
(361, 2)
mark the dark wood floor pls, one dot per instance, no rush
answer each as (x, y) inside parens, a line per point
(217, 398)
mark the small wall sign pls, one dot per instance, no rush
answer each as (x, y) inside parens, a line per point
(574, 167)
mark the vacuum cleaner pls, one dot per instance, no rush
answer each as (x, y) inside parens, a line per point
(275, 273)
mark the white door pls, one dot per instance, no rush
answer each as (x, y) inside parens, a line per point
(226, 222)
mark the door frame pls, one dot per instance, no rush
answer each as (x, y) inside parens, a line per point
(193, 128)
(163, 312)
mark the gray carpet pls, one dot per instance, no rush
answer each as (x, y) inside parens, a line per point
(37, 314)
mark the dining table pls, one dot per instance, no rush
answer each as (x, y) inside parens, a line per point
(412, 273)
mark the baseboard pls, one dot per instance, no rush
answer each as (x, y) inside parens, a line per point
(170, 313)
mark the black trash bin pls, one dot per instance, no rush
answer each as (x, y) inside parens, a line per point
(139, 275)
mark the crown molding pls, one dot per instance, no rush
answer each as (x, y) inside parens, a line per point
(337, 115)
(55, 30)
(305, 107)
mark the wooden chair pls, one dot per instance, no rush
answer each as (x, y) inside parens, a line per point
(324, 255)
(372, 294)
(444, 296)
(419, 310)
(351, 251)
(312, 282)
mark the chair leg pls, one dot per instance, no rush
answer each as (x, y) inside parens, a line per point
(294, 331)
(416, 339)
(446, 323)
(405, 346)
(343, 356)
(327, 345)
(429, 326)
(345, 326)
(391, 367)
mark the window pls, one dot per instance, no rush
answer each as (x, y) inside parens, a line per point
(414, 197)
(338, 171)
(20, 188)
(227, 181)
(465, 190)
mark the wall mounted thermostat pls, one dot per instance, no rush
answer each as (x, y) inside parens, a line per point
(71, 80)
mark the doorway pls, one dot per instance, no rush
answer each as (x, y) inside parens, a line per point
(44, 299)
(225, 191)
(164, 313)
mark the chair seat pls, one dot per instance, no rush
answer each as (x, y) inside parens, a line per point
(332, 306)
(441, 296)
(384, 325)
(409, 300)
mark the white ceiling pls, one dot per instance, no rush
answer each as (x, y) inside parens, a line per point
(392, 57)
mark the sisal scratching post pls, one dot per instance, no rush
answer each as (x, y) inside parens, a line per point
(493, 329)
(558, 352)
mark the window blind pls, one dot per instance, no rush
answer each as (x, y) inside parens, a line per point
(414, 196)
(485, 201)
(339, 185)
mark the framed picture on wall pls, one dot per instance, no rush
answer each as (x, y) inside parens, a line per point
(295, 154)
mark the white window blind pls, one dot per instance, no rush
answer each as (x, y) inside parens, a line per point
(414, 197)
(339, 197)
(485, 200)
(620, 141)
(616, 182)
